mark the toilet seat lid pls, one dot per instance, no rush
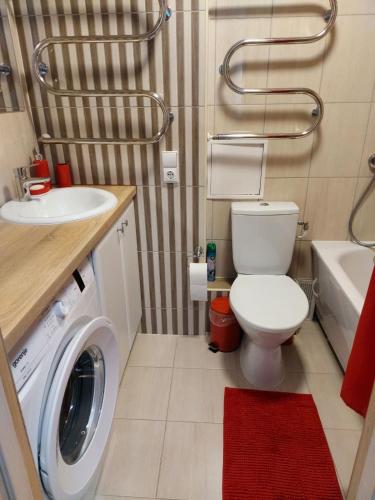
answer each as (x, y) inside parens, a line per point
(270, 303)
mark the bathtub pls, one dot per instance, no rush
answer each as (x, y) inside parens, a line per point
(342, 272)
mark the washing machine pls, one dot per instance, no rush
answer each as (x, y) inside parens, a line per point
(66, 375)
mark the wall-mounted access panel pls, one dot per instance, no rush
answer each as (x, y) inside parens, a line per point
(236, 169)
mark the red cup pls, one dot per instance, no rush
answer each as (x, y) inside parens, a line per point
(63, 175)
(42, 170)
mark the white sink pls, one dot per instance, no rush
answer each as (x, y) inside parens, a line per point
(59, 206)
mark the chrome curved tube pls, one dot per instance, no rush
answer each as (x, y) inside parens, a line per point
(37, 64)
(167, 118)
(226, 73)
(357, 206)
(277, 135)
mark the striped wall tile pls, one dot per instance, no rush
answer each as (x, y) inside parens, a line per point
(64, 7)
(170, 219)
(10, 100)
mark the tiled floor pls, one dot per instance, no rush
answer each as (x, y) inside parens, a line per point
(167, 435)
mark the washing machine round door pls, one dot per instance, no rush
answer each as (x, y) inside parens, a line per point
(79, 411)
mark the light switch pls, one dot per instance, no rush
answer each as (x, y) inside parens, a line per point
(169, 159)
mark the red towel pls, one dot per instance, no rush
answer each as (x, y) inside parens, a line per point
(360, 372)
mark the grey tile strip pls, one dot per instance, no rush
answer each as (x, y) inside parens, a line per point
(182, 153)
(8, 94)
(112, 100)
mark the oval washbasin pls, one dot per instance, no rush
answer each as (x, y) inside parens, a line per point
(59, 206)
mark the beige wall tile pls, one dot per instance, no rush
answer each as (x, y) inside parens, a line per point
(249, 65)
(349, 67)
(301, 266)
(343, 445)
(224, 260)
(222, 228)
(338, 145)
(304, 269)
(287, 189)
(364, 222)
(369, 148)
(243, 8)
(328, 206)
(134, 473)
(192, 461)
(16, 149)
(356, 7)
(297, 65)
(209, 208)
(292, 272)
(300, 8)
(236, 118)
(211, 73)
(288, 158)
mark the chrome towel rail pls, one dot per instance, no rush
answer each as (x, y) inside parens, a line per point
(226, 73)
(40, 70)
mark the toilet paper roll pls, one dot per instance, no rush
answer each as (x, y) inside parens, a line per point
(198, 281)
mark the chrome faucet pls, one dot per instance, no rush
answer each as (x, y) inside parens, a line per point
(24, 181)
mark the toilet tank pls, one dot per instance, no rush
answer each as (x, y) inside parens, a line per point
(263, 236)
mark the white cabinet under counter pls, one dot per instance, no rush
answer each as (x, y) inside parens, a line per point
(115, 261)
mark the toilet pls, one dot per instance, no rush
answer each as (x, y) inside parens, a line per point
(269, 305)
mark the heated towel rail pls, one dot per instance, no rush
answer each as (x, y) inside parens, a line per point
(41, 70)
(226, 73)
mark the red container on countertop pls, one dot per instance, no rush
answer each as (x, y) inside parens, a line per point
(63, 175)
(225, 330)
(42, 170)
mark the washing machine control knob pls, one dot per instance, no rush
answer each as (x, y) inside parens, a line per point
(61, 309)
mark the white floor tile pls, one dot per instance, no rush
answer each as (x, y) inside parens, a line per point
(133, 460)
(192, 462)
(192, 352)
(153, 350)
(144, 393)
(333, 412)
(343, 445)
(198, 395)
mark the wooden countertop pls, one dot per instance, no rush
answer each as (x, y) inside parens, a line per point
(36, 261)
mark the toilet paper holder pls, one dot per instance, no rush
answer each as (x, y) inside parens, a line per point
(196, 256)
(198, 253)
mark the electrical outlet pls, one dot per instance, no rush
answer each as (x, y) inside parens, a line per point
(171, 175)
(169, 160)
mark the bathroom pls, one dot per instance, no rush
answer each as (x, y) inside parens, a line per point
(113, 383)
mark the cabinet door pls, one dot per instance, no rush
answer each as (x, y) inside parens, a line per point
(131, 272)
(107, 261)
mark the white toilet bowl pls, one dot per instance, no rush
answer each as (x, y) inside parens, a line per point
(269, 308)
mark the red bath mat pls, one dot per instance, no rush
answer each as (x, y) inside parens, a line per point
(275, 448)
